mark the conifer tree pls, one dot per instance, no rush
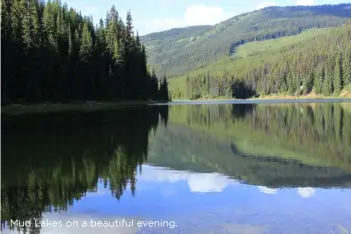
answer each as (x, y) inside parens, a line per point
(17, 19)
(346, 67)
(5, 19)
(327, 88)
(291, 83)
(85, 51)
(129, 31)
(163, 92)
(319, 80)
(70, 41)
(337, 75)
(49, 24)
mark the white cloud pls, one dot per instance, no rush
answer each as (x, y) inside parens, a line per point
(265, 4)
(306, 192)
(267, 190)
(197, 182)
(305, 2)
(201, 14)
(193, 15)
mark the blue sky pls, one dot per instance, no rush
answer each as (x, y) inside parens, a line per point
(157, 15)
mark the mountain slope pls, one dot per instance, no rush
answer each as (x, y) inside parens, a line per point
(161, 45)
(176, 51)
(318, 63)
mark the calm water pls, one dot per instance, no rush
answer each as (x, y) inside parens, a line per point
(220, 168)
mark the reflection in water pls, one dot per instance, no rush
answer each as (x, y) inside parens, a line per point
(266, 190)
(217, 151)
(197, 182)
(63, 157)
(306, 192)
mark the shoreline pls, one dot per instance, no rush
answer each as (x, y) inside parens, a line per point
(35, 108)
(18, 109)
(309, 96)
(273, 97)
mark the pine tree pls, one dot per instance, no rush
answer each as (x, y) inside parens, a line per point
(19, 12)
(113, 44)
(70, 41)
(337, 75)
(129, 32)
(291, 83)
(101, 35)
(327, 88)
(283, 83)
(163, 91)
(77, 40)
(297, 85)
(346, 67)
(85, 51)
(6, 12)
(30, 25)
(319, 80)
(144, 62)
(59, 20)
(307, 83)
(49, 24)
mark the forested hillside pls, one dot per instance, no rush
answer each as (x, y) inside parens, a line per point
(321, 63)
(177, 51)
(52, 53)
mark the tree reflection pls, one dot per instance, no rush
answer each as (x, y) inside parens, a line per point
(50, 161)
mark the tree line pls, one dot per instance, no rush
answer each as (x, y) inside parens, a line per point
(321, 64)
(53, 53)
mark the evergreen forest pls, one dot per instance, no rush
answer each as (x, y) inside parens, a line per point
(320, 65)
(52, 53)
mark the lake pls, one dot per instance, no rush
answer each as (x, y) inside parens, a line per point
(212, 167)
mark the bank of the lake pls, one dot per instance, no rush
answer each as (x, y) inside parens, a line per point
(15, 109)
(343, 95)
(312, 96)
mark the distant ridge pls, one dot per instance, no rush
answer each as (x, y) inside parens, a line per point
(177, 51)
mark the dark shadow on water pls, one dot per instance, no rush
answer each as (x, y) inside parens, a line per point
(240, 111)
(49, 161)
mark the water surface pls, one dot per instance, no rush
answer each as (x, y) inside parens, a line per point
(220, 168)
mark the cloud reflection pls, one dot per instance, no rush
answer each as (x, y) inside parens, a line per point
(267, 190)
(306, 192)
(197, 182)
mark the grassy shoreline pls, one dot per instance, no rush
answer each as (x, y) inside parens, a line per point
(345, 95)
(16, 109)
